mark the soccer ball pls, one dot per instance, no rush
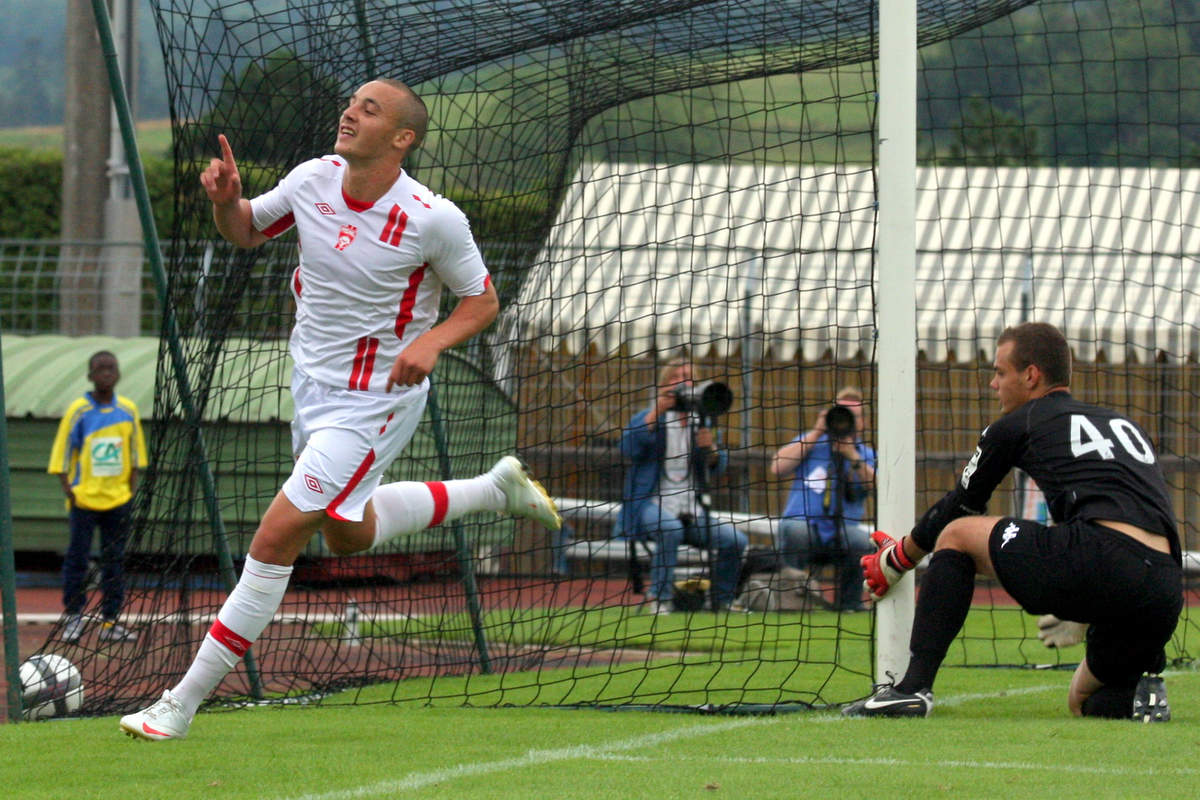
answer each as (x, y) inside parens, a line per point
(51, 686)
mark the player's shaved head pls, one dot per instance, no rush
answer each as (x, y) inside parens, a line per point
(412, 113)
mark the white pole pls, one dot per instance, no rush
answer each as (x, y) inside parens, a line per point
(123, 21)
(897, 349)
(121, 314)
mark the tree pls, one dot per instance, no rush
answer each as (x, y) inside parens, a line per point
(989, 136)
(269, 107)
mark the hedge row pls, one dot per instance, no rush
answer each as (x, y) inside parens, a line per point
(31, 185)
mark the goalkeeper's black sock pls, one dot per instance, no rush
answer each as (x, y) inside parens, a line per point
(943, 600)
(1109, 702)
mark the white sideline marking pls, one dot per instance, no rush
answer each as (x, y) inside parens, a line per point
(1077, 769)
(959, 699)
(613, 752)
(418, 780)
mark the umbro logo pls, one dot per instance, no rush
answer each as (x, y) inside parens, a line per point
(1010, 533)
(313, 484)
(325, 209)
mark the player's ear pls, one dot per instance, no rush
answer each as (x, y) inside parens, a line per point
(405, 140)
(1033, 375)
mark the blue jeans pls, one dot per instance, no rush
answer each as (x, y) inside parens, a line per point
(668, 532)
(114, 528)
(800, 545)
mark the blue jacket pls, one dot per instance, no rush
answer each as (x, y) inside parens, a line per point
(810, 480)
(645, 448)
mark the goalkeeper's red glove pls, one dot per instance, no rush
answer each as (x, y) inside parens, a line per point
(885, 567)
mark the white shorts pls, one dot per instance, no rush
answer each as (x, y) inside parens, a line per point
(344, 441)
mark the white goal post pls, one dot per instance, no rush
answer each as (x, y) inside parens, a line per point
(897, 350)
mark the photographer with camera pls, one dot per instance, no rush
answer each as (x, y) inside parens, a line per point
(832, 474)
(673, 454)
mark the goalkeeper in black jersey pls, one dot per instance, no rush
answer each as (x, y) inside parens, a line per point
(1111, 559)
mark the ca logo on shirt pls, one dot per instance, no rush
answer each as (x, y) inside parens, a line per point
(107, 456)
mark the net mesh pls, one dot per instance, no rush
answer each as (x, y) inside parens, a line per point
(647, 178)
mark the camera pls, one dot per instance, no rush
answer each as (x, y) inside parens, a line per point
(708, 399)
(839, 422)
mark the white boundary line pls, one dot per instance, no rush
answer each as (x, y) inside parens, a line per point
(1022, 766)
(419, 780)
(620, 751)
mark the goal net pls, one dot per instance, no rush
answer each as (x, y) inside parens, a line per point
(648, 180)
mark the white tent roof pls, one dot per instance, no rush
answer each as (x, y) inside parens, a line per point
(711, 256)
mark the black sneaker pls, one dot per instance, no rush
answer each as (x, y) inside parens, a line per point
(888, 702)
(1150, 700)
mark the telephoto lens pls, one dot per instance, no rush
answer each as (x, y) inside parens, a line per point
(839, 421)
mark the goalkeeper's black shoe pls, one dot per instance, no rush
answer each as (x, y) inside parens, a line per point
(888, 702)
(1150, 700)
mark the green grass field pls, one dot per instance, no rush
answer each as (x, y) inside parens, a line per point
(994, 733)
(154, 137)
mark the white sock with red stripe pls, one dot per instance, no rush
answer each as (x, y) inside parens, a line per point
(246, 612)
(408, 507)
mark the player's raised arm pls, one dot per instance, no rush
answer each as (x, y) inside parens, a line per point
(231, 212)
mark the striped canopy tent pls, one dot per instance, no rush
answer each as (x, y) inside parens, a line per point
(777, 261)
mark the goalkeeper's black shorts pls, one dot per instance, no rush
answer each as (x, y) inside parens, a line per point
(1129, 594)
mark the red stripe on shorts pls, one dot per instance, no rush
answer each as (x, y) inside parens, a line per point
(238, 645)
(355, 480)
(441, 501)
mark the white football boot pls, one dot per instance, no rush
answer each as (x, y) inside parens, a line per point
(525, 496)
(112, 631)
(165, 719)
(74, 628)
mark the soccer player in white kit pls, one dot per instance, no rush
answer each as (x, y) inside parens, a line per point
(376, 249)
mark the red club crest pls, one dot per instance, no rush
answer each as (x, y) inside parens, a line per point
(345, 237)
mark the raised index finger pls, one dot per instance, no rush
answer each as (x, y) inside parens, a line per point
(226, 150)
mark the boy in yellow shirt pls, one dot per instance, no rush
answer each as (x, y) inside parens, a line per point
(97, 453)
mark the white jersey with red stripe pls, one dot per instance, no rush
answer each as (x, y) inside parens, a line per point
(371, 275)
